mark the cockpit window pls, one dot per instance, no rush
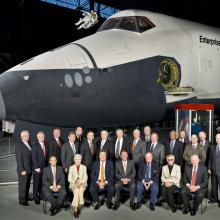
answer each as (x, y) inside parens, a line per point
(130, 23)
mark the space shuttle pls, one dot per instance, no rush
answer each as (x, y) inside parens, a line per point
(134, 69)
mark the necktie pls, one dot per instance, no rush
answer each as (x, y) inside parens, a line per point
(54, 176)
(73, 148)
(147, 174)
(28, 146)
(134, 145)
(43, 149)
(193, 181)
(218, 149)
(102, 144)
(171, 146)
(91, 147)
(194, 146)
(152, 147)
(147, 139)
(125, 166)
(117, 152)
(102, 176)
(58, 142)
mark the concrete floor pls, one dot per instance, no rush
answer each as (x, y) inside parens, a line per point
(10, 210)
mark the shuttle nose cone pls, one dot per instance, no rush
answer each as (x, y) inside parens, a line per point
(2, 108)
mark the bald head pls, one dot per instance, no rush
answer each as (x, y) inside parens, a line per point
(194, 160)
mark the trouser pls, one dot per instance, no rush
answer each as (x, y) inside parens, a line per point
(78, 194)
(168, 193)
(94, 190)
(23, 187)
(55, 202)
(37, 186)
(119, 185)
(153, 195)
(197, 198)
(215, 183)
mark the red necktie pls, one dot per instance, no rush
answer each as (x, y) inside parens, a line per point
(193, 181)
(43, 149)
(91, 147)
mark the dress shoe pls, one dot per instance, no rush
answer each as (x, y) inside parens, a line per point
(152, 208)
(37, 202)
(76, 214)
(185, 211)
(109, 205)
(116, 206)
(24, 203)
(97, 205)
(173, 209)
(218, 204)
(193, 212)
(52, 212)
(87, 204)
(132, 205)
(78, 210)
(138, 205)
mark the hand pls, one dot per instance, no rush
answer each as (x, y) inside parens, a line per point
(209, 172)
(55, 189)
(38, 170)
(101, 185)
(192, 188)
(66, 170)
(23, 173)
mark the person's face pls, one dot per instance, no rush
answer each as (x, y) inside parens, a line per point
(194, 160)
(104, 135)
(136, 134)
(147, 131)
(182, 134)
(72, 138)
(56, 133)
(25, 137)
(124, 156)
(79, 131)
(102, 156)
(194, 139)
(41, 137)
(170, 161)
(202, 136)
(148, 158)
(172, 135)
(217, 138)
(154, 138)
(119, 133)
(90, 136)
(53, 161)
(77, 161)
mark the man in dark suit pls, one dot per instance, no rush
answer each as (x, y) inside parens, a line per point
(40, 161)
(121, 143)
(125, 173)
(147, 134)
(68, 151)
(55, 145)
(148, 179)
(106, 145)
(54, 182)
(138, 148)
(157, 149)
(175, 147)
(183, 138)
(79, 135)
(214, 170)
(24, 167)
(206, 144)
(195, 182)
(102, 178)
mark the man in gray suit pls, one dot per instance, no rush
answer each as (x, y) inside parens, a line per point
(125, 177)
(194, 149)
(206, 144)
(157, 149)
(138, 148)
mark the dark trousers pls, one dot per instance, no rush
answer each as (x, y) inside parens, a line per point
(153, 194)
(55, 202)
(94, 190)
(168, 193)
(215, 183)
(197, 197)
(23, 187)
(37, 186)
(119, 185)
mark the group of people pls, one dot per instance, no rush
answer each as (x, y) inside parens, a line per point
(82, 168)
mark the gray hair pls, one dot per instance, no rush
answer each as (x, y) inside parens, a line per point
(24, 132)
(78, 156)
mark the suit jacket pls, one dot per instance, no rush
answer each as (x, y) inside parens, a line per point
(186, 141)
(87, 156)
(125, 146)
(109, 172)
(173, 177)
(139, 151)
(130, 172)
(177, 151)
(38, 158)
(207, 147)
(23, 158)
(67, 154)
(55, 150)
(75, 175)
(158, 153)
(80, 140)
(189, 151)
(214, 161)
(155, 171)
(108, 148)
(48, 178)
(201, 176)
